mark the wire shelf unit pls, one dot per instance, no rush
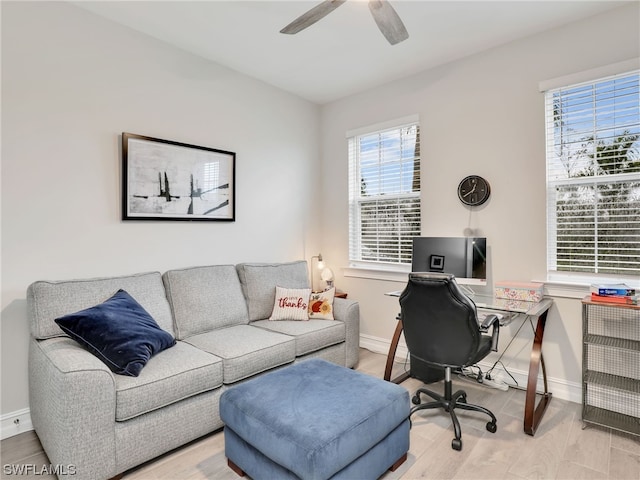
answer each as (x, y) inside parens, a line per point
(611, 365)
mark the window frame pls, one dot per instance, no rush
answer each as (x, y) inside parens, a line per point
(597, 180)
(356, 201)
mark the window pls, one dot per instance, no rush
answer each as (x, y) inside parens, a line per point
(593, 178)
(384, 193)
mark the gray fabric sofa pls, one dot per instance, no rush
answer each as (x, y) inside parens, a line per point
(104, 424)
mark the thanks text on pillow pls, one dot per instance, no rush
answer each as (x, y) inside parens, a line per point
(292, 302)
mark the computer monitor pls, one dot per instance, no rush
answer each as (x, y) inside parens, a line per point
(464, 257)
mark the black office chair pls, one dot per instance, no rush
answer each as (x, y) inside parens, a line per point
(441, 329)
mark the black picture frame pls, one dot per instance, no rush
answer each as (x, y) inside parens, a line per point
(167, 180)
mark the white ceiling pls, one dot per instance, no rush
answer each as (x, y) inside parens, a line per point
(344, 53)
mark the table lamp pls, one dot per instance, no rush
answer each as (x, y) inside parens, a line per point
(318, 266)
(327, 276)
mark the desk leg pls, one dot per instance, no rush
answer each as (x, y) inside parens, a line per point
(532, 414)
(392, 355)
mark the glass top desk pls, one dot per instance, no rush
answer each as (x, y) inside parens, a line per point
(515, 309)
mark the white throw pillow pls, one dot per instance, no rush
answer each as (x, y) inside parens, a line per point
(321, 304)
(291, 304)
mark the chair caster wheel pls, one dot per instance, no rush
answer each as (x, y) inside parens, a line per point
(492, 427)
(415, 400)
(456, 444)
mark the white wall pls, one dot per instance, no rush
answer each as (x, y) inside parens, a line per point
(480, 115)
(71, 84)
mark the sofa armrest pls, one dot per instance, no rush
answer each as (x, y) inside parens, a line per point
(72, 398)
(348, 311)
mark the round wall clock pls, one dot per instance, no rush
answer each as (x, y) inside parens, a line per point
(474, 190)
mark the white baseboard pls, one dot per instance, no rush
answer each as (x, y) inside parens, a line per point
(559, 387)
(381, 345)
(14, 423)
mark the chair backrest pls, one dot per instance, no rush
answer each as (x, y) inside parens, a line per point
(439, 321)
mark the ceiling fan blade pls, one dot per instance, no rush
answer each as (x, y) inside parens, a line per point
(312, 16)
(388, 21)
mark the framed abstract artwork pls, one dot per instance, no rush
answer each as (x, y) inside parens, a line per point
(167, 180)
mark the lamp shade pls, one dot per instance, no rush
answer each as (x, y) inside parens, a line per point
(326, 275)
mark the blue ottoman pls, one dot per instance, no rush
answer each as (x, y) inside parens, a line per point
(315, 420)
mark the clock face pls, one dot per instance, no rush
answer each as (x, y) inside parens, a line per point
(474, 190)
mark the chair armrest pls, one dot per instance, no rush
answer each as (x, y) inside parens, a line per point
(488, 321)
(72, 397)
(494, 321)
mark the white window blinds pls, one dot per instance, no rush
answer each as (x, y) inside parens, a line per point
(593, 177)
(384, 194)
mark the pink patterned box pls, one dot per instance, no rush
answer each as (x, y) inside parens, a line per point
(529, 292)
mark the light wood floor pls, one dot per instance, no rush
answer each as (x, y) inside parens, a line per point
(561, 448)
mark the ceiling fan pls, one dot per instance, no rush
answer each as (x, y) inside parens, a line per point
(383, 13)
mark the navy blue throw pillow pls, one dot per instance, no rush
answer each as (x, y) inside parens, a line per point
(119, 331)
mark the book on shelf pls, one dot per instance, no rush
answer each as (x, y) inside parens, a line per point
(621, 299)
(612, 289)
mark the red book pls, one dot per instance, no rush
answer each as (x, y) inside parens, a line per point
(624, 299)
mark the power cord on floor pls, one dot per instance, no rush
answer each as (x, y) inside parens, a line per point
(475, 373)
(490, 376)
(472, 372)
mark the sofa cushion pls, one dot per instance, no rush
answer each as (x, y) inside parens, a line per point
(175, 374)
(48, 300)
(246, 350)
(291, 304)
(310, 336)
(205, 298)
(119, 332)
(259, 281)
